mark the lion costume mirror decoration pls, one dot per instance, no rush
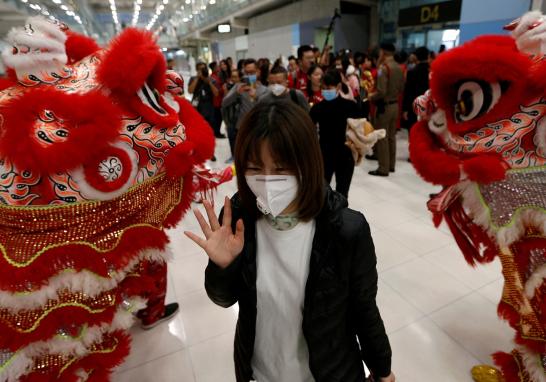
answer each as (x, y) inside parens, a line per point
(96, 161)
(482, 135)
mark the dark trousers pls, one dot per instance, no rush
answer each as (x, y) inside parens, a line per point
(343, 165)
(217, 121)
(232, 136)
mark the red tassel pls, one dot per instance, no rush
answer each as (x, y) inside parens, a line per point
(469, 236)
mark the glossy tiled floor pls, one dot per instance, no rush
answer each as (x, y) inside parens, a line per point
(440, 314)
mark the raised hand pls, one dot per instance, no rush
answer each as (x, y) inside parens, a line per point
(221, 244)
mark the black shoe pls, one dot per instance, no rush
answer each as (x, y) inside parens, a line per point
(213, 159)
(170, 311)
(371, 157)
(391, 170)
(377, 173)
(220, 136)
(409, 160)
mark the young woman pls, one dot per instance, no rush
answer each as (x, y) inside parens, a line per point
(314, 85)
(300, 264)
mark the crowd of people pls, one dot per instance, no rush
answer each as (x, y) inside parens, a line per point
(379, 85)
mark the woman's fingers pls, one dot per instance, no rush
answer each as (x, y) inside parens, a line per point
(202, 223)
(226, 221)
(200, 242)
(214, 224)
(240, 230)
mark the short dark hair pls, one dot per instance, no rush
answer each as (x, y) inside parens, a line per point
(388, 47)
(293, 140)
(279, 69)
(302, 49)
(422, 53)
(315, 49)
(292, 58)
(199, 64)
(249, 61)
(332, 77)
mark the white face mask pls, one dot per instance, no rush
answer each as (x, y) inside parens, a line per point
(274, 193)
(277, 89)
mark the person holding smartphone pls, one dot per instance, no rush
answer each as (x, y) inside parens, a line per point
(204, 90)
(246, 93)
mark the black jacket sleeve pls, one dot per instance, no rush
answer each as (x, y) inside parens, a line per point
(374, 343)
(222, 284)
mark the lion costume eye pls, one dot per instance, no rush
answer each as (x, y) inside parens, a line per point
(475, 98)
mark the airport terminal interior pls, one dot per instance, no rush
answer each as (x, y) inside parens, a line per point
(273, 190)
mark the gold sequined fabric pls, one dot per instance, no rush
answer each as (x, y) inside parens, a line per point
(56, 364)
(26, 233)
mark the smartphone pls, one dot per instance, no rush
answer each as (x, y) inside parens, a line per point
(205, 72)
(245, 80)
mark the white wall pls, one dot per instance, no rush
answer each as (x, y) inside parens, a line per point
(271, 43)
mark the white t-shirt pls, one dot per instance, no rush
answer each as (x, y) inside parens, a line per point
(280, 349)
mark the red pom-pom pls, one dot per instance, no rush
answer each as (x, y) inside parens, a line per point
(79, 46)
(133, 59)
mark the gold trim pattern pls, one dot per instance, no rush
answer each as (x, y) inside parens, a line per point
(26, 233)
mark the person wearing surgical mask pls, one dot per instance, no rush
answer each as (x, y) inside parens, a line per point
(330, 116)
(247, 93)
(298, 262)
(278, 86)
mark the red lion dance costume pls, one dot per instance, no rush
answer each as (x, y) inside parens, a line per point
(96, 160)
(482, 136)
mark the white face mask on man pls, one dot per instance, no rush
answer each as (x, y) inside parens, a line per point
(274, 193)
(277, 89)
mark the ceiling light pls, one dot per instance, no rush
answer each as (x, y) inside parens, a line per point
(185, 19)
(165, 1)
(24, 1)
(212, 2)
(64, 7)
(161, 7)
(188, 1)
(57, 1)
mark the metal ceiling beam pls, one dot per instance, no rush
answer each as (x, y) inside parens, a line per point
(240, 13)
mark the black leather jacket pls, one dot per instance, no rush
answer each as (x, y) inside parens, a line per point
(339, 301)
